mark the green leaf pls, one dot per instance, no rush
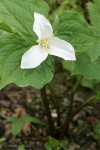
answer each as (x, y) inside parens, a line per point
(51, 144)
(21, 147)
(19, 14)
(19, 122)
(11, 50)
(28, 118)
(94, 13)
(89, 83)
(96, 130)
(55, 23)
(94, 52)
(87, 68)
(47, 146)
(5, 27)
(11, 119)
(17, 127)
(74, 29)
(64, 144)
(2, 140)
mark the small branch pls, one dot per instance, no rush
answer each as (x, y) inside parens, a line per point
(47, 111)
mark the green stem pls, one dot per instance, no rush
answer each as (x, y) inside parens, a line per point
(77, 84)
(47, 111)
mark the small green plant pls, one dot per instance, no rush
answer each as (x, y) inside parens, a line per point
(54, 144)
(21, 147)
(96, 132)
(2, 140)
(17, 123)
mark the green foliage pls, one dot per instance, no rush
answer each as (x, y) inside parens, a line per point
(94, 13)
(12, 47)
(17, 123)
(2, 140)
(96, 131)
(88, 62)
(53, 144)
(73, 28)
(18, 17)
(61, 5)
(21, 147)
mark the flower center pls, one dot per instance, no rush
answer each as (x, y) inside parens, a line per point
(44, 43)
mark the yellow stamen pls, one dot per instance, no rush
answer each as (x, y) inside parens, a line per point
(44, 43)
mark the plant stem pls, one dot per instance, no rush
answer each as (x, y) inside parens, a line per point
(77, 84)
(72, 97)
(86, 102)
(47, 111)
(56, 105)
(70, 107)
(75, 113)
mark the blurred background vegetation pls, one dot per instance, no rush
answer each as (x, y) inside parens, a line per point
(69, 5)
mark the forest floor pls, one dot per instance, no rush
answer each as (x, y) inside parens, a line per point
(17, 102)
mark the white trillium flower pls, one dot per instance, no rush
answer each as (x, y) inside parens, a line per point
(48, 44)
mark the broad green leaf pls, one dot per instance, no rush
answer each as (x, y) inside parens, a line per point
(89, 83)
(5, 27)
(21, 147)
(17, 127)
(74, 29)
(94, 13)
(11, 50)
(94, 52)
(19, 15)
(86, 67)
(1, 32)
(68, 65)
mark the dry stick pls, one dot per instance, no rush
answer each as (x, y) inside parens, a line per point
(56, 105)
(67, 122)
(77, 111)
(48, 112)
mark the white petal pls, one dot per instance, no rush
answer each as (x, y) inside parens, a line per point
(42, 26)
(61, 49)
(33, 57)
